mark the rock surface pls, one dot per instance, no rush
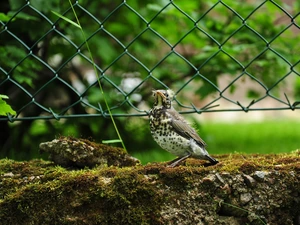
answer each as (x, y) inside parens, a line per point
(68, 151)
(241, 189)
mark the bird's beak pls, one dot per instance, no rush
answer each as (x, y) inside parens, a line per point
(158, 92)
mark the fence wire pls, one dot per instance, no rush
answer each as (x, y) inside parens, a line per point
(206, 51)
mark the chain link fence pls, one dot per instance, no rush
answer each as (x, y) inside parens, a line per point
(215, 55)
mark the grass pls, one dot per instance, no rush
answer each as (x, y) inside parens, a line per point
(255, 137)
(252, 137)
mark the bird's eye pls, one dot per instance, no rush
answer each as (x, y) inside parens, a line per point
(166, 94)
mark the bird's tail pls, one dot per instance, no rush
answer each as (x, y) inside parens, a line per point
(212, 160)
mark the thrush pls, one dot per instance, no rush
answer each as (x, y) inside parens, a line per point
(173, 133)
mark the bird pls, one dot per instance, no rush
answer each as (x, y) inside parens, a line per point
(173, 133)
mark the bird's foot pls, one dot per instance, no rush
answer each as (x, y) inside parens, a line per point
(178, 160)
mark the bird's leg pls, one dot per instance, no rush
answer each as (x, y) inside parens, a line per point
(211, 160)
(178, 160)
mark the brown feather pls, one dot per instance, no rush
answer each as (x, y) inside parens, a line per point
(183, 128)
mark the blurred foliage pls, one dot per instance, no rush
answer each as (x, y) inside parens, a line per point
(47, 58)
(4, 107)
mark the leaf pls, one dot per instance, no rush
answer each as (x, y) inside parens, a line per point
(111, 141)
(4, 107)
(155, 7)
(66, 19)
(4, 18)
(22, 15)
(4, 96)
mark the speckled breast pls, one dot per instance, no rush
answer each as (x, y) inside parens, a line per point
(164, 134)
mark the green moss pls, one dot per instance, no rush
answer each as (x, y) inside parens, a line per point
(80, 153)
(40, 192)
(63, 196)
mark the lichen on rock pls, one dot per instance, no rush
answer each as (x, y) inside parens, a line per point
(68, 151)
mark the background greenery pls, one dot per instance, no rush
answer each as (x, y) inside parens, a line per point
(48, 57)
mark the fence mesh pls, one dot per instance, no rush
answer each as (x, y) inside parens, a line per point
(215, 55)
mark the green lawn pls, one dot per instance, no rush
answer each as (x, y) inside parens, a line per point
(252, 137)
(255, 137)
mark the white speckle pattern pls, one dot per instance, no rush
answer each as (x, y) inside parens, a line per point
(165, 136)
(172, 132)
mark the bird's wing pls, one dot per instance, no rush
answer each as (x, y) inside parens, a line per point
(184, 129)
